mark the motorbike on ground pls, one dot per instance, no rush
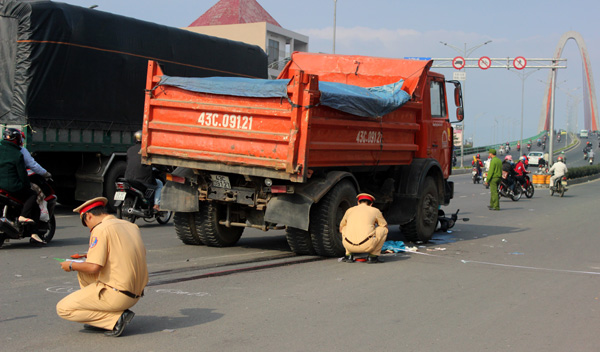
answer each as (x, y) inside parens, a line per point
(11, 228)
(475, 176)
(560, 186)
(505, 191)
(135, 200)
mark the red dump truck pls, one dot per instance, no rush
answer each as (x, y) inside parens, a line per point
(293, 153)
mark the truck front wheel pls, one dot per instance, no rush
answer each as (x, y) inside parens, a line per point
(326, 216)
(421, 228)
(211, 232)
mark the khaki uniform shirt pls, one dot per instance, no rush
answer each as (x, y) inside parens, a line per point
(359, 222)
(117, 246)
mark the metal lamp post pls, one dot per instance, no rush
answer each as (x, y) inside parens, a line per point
(334, 15)
(465, 52)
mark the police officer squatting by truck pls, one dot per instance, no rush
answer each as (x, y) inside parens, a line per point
(293, 153)
(73, 80)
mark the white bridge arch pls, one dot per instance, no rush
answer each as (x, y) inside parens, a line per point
(590, 106)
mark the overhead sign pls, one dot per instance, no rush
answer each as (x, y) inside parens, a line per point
(458, 62)
(459, 76)
(519, 62)
(484, 62)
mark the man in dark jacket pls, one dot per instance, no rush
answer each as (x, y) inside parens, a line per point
(13, 176)
(139, 172)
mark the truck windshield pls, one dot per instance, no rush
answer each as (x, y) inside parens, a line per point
(438, 106)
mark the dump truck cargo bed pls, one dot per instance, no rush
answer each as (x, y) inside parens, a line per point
(290, 135)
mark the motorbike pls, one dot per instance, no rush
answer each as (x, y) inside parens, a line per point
(505, 191)
(560, 186)
(527, 188)
(591, 160)
(518, 147)
(544, 146)
(475, 176)
(11, 228)
(135, 200)
(528, 146)
(487, 185)
(585, 155)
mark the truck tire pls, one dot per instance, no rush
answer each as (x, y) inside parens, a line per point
(185, 228)
(116, 171)
(326, 216)
(421, 228)
(211, 232)
(299, 241)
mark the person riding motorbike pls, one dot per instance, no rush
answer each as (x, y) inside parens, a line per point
(591, 156)
(558, 170)
(508, 172)
(477, 163)
(13, 177)
(142, 173)
(526, 162)
(33, 165)
(518, 146)
(520, 170)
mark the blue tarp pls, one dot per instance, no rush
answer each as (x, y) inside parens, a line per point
(366, 102)
(393, 246)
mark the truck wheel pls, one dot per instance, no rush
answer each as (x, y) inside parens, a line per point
(211, 232)
(116, 171)
(421, 228)
(299, 241)
(185, 228)
(325, 219)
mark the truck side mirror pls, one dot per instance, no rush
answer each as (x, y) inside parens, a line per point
(460, 113)
(457, 96)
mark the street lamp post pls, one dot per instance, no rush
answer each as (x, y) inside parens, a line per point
(465, 53)
(334, 15)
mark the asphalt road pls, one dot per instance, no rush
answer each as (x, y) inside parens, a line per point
(525, 278)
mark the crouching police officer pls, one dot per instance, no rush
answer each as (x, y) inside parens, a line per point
(113, 277)
(359, 233)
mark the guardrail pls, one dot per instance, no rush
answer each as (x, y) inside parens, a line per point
(474, 150)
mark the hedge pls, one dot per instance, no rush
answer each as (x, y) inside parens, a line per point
(583, 171)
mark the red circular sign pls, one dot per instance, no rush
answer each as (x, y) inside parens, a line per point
(519, 62)
(458, 62)
(484, 62)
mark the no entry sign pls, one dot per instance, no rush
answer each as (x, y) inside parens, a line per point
(484, 62)
(458, 62)
(519, 62)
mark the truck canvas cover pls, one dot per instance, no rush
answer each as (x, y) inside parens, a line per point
(365, 102)
(69, 66)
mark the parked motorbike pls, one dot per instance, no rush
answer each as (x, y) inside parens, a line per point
(560, 186)
(11, 228)
(506, 192)
(475, 176)
(135, 200)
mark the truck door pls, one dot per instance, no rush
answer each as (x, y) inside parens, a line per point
(440, 132)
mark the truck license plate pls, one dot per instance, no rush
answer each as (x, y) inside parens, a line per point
(120, 195)
(220, 181)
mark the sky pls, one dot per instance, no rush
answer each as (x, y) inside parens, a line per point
(398, 29)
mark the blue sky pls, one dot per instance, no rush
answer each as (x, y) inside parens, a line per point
(398, 29)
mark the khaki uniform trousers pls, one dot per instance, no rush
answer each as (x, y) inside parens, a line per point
(95, 304)
(372, 245)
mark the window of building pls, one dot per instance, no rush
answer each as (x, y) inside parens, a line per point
(273, 51)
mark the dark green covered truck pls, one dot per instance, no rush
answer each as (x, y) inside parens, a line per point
(73, 80)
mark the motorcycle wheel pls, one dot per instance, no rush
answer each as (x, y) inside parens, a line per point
(529, 190)
(517, 194)
(2, 238)
(47, 237)
(163, 217)
(122, 210)
(561, 190)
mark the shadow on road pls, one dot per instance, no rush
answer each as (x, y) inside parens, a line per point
(147, 324)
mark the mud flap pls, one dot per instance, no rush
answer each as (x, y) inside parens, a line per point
(289, 209)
